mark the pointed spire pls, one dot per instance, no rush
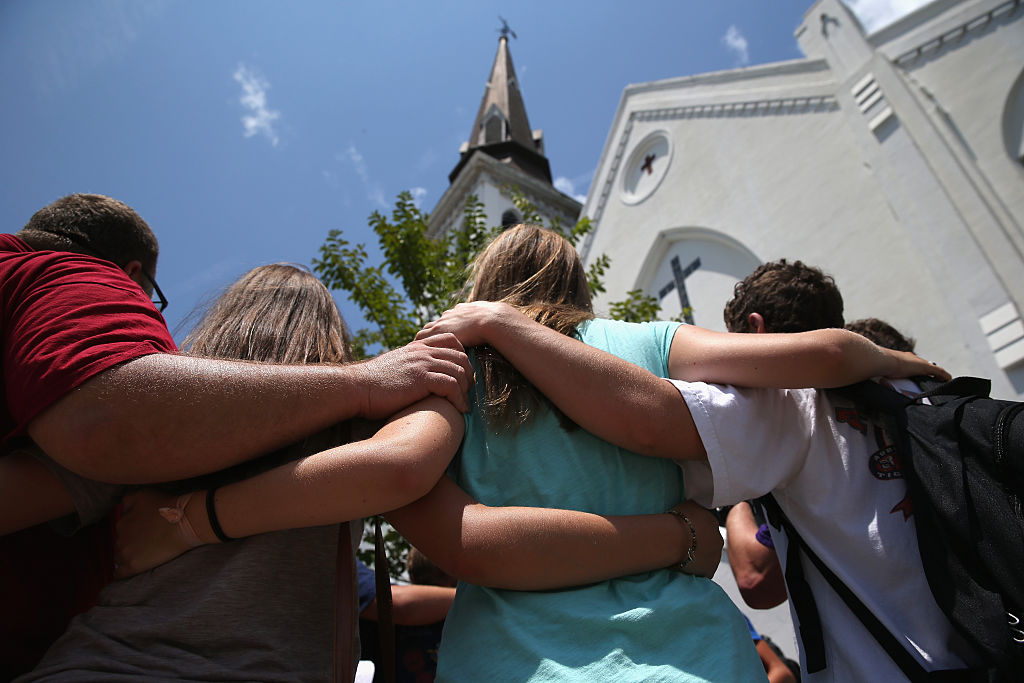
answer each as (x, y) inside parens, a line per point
(501, 128)
(502, 114)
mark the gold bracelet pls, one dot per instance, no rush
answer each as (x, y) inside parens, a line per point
(690, 557)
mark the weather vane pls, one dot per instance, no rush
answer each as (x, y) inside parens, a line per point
(505, 31)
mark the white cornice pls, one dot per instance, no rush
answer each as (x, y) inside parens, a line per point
(935, 43)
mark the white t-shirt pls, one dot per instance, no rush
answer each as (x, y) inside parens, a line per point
(845, 494)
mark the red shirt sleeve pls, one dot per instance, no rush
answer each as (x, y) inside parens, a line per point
(67, 317)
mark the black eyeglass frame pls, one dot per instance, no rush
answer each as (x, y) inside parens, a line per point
(160, 301)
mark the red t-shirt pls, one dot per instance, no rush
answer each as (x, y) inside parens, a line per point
(63, 319)
(66, 317)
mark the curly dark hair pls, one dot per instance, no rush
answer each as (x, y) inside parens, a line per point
(791, 297)
(882, 333)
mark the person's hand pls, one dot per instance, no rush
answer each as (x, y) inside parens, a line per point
(911, 365)
(145, 538)
(398, 378)
(709, 540)
(470, 322)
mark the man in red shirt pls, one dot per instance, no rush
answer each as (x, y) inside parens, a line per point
(92, 377)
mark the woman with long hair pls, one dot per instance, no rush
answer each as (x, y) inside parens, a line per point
(260, 608)
(520, 450)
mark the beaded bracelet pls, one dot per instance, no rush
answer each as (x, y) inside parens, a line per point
(690, 557)
(211, 514)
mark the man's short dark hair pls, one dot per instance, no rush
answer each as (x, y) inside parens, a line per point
(882, 333)
(95, 225)
(791, 297)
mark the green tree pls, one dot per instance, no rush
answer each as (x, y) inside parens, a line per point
(420, 277)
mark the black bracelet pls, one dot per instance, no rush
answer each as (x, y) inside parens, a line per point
(211, 515)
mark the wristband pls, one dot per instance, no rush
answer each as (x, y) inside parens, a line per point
(211, 515)
(690, 557)
(175, 515)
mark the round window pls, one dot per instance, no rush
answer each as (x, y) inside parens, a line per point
(646, 167)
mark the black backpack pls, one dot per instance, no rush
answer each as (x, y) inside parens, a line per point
(962, 457)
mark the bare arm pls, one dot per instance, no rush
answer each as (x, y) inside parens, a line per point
(415, 605)
(774, 667)
(755, 566)
(29, 493)
(820, 358)
(400, 463)
(629, 406)
(164, 417)
(523, 548)
(610, 397)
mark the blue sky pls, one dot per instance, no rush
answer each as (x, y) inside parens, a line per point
(244, 131)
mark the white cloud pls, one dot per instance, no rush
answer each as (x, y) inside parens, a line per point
(418, 193)
(357, 162)
(877, 14)
(736, 43)
(260, 119)
(373, 191)
(566, 186)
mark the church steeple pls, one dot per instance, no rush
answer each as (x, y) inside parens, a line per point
(502, 156)
(501, 128)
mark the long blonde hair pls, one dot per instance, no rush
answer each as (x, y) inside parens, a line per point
(278, 313)
(539, 272)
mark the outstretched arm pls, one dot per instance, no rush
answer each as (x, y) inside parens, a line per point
(397, 465)
(816, 359)
(519, 548)
(522, 548)
(415, 605)
(629, 406)
(165, 417)
(612, 398)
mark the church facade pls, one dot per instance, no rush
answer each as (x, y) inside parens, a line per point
(894, 161)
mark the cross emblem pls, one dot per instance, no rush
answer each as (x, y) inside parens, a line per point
(648, 160)
(678, 283)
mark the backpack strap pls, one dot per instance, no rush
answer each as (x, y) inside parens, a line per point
(345, 617)
(958, 386)
(385, 670)
(811, 634)
(810, 620)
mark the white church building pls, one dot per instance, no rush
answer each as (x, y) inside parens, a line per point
(894, 161)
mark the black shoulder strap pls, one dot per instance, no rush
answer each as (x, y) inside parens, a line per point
(385, 621)
(800, 592)
(811, 634)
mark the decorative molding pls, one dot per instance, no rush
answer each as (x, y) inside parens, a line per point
(1004, 331)
(955, 35)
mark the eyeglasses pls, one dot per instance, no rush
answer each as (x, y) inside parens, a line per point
(156, 296)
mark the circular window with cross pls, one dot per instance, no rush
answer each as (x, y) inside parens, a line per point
(646, 167)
